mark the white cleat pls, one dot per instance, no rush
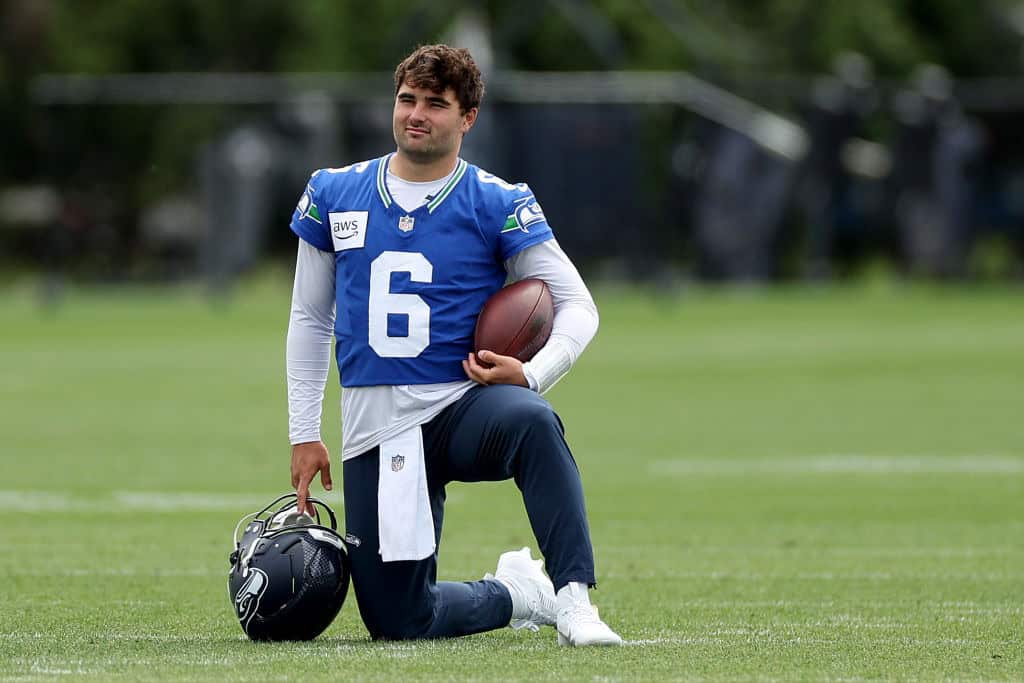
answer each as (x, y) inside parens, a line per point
(533, 595)
(578, 623)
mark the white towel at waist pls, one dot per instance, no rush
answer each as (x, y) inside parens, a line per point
(405, 523)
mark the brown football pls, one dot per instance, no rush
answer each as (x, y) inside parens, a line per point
(516, 320)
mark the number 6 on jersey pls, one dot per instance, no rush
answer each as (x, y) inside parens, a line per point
(383, 302)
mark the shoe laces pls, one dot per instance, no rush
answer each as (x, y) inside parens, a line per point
(540, 604)
(579, 614)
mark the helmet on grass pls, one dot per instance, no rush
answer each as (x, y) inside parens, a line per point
(289, 573)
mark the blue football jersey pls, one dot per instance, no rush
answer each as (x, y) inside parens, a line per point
(409, 285)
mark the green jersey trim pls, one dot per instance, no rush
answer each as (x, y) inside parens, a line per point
(460, 171)
(382, 185)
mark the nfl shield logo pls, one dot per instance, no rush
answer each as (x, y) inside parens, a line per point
(405, 223)
(397, 462)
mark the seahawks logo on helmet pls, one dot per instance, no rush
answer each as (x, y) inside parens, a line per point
(247, 599)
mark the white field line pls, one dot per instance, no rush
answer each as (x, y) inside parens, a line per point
(52, 671)
(154, 572)
(789, 639)
(44, 670)
(120, 502)
(714, 636)
(879, 577)
(670, 575)
(709, 575)
(954, 607)
(75, 604)
(867, 551)
(843, 463)
(870, 577)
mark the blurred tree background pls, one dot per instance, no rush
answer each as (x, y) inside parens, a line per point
(745, 45)
(111, 36)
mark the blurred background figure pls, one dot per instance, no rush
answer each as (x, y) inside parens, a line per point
(838, 106)
(241, 175)
(740, 203)
(938, 155)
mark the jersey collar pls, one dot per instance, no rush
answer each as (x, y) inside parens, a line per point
(382, 185)
(460, 170)
(385, 195)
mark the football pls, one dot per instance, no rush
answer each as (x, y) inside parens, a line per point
(516, 320)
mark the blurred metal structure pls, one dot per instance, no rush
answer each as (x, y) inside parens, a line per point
(772, 131)
(592, 187)
(638, 171)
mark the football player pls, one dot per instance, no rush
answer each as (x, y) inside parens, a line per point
(396, 257)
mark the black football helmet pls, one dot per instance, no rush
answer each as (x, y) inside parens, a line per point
(289, 573)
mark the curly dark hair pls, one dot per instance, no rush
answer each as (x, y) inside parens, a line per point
(438, 67)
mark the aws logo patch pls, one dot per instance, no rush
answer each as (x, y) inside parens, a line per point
(348, 229)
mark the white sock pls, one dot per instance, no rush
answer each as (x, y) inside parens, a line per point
(519, 608)
(573, 593)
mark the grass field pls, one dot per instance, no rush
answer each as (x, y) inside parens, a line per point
(784, 484)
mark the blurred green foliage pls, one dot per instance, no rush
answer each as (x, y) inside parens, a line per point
(715, 38)
(969, 38)
(103, 36)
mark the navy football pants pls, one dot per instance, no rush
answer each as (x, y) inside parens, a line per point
(490, 434)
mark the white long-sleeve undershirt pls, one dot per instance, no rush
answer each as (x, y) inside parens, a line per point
(309, 344)
(375, 413)
(576, 319)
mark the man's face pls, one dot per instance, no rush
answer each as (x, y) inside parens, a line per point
(429, 126)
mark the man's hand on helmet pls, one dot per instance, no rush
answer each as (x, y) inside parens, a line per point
(308, 459)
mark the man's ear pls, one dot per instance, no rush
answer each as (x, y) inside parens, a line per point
(468, 119)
